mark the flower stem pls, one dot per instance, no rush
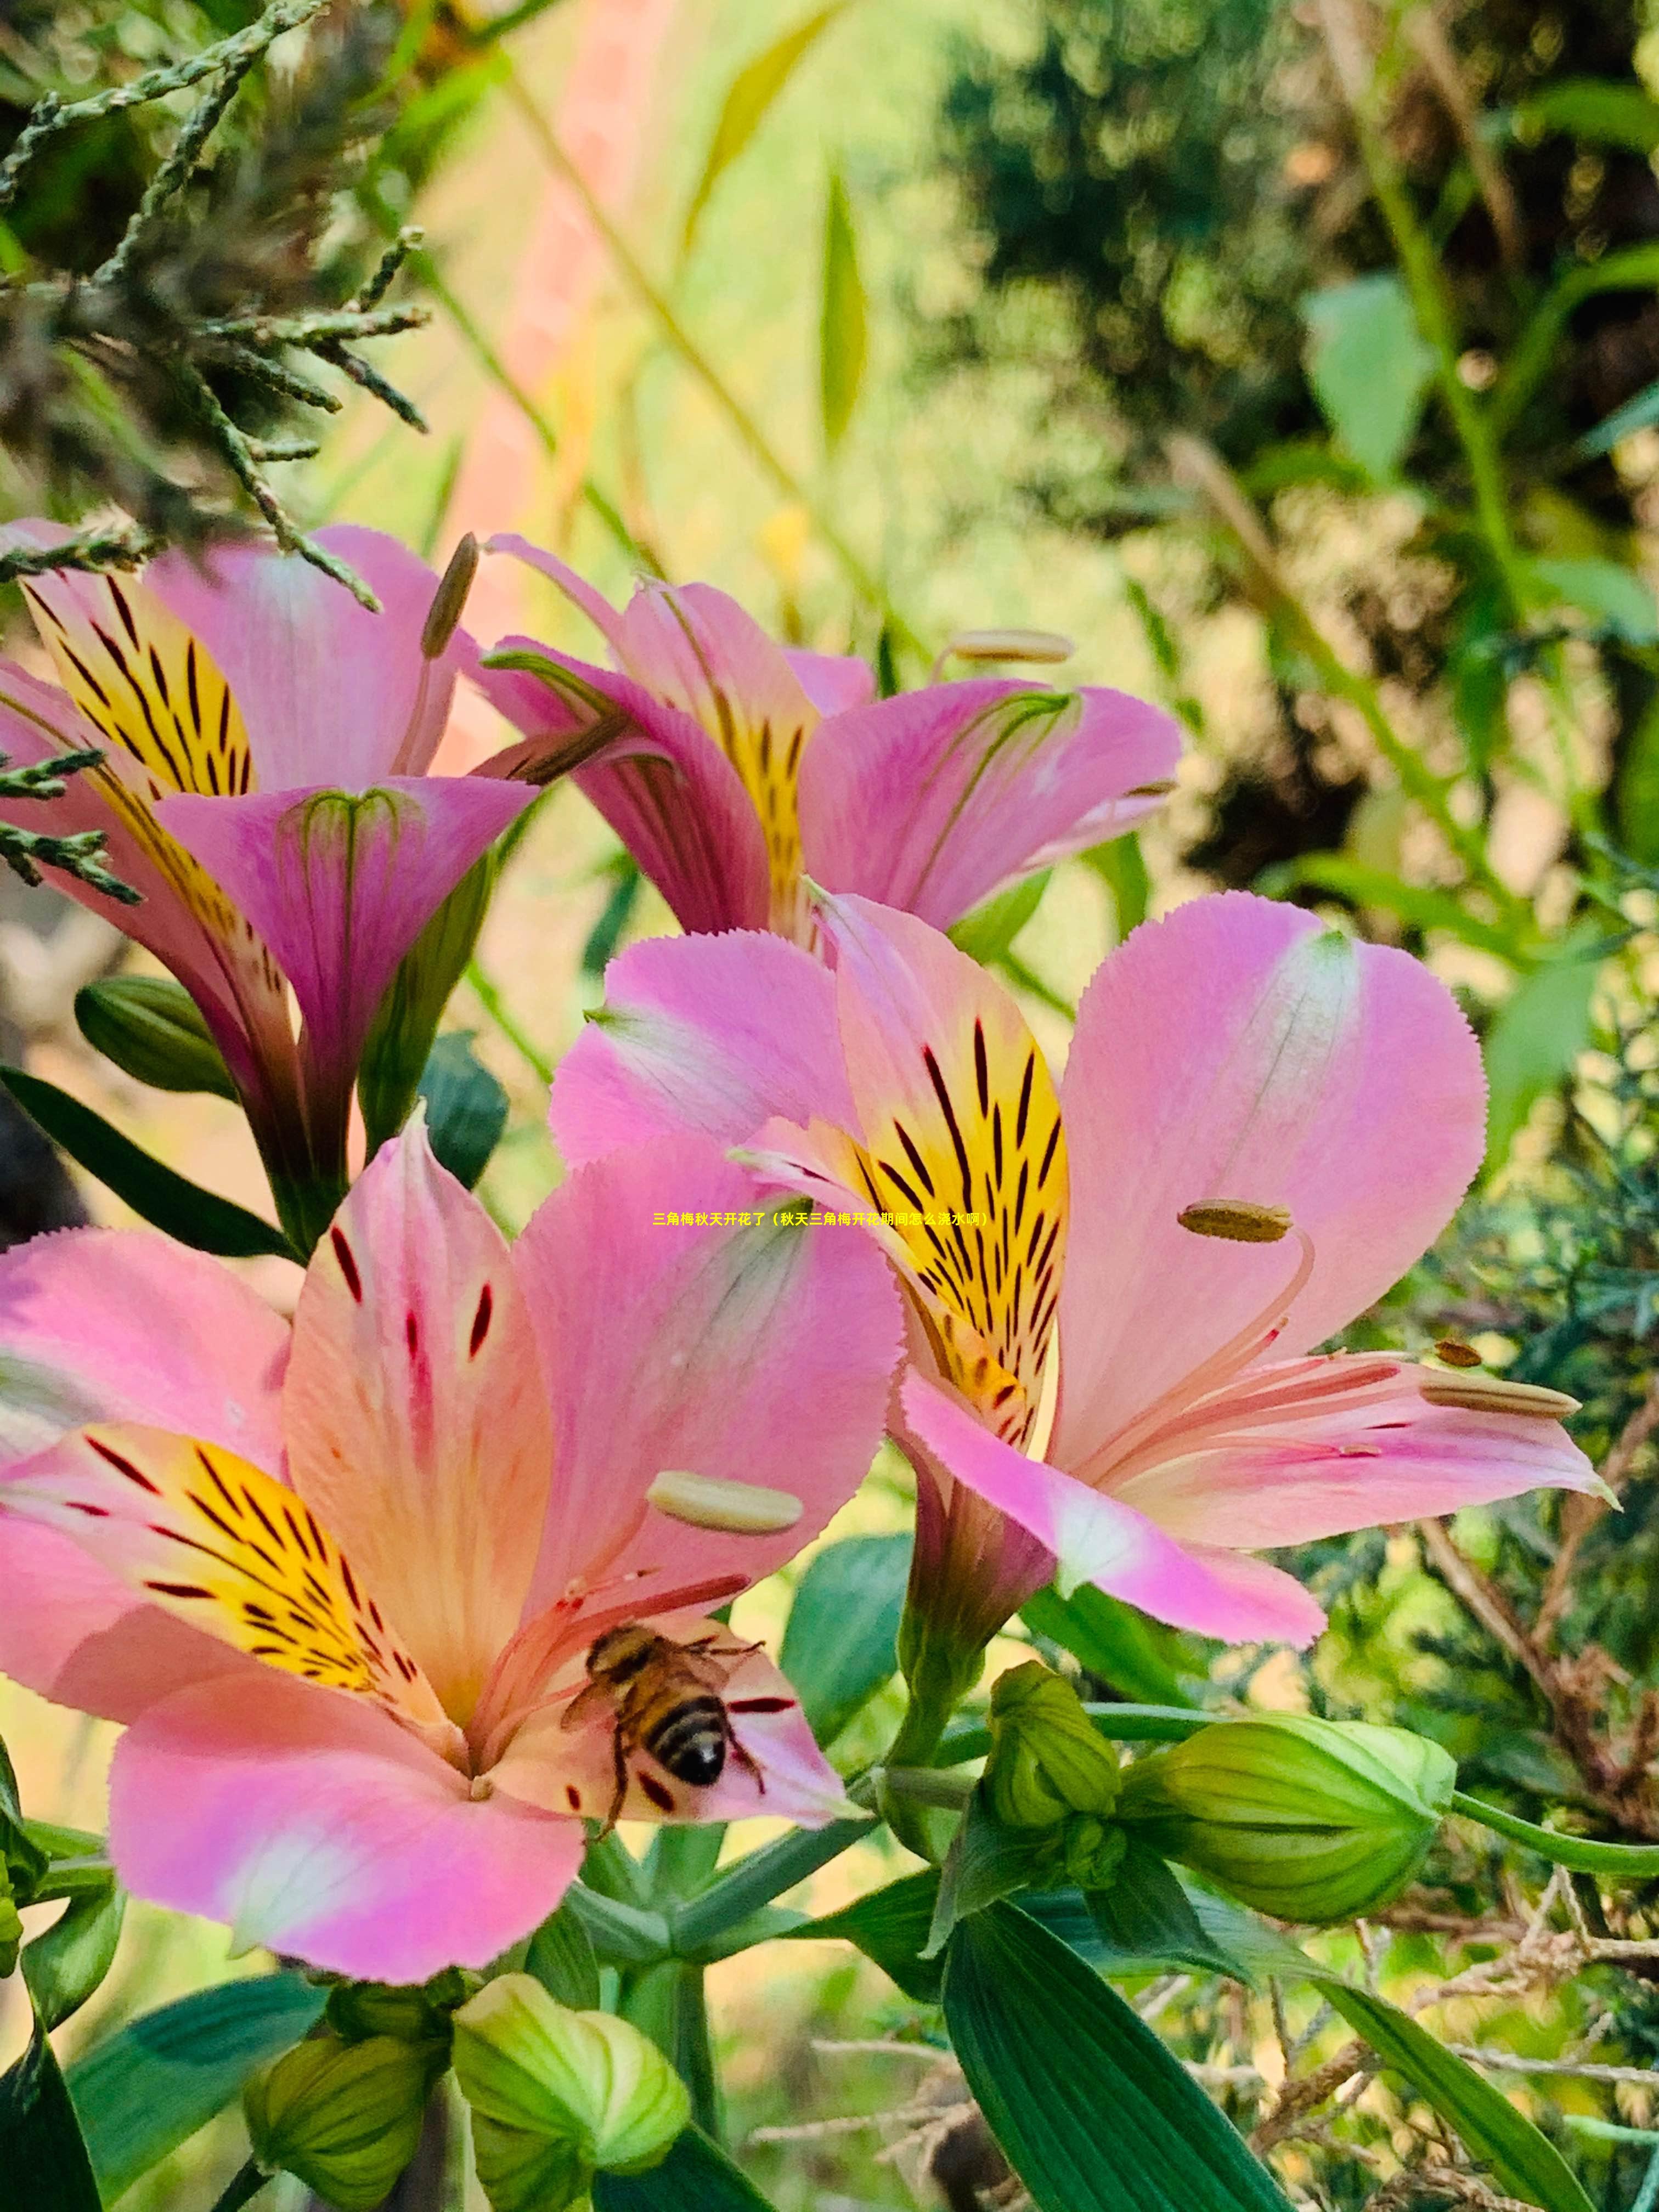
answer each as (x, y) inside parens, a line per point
(243, 2187)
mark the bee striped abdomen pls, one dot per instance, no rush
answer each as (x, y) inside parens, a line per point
(689, 1742)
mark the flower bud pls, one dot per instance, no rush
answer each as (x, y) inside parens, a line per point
(410, 2012)
(345, 2117)
(1307, 1819)
(151, 1028)
(1047, 1761)
(557, 2096)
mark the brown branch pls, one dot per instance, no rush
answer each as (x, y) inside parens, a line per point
(1580, 1513)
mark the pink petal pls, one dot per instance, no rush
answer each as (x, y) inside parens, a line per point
(711, 1035)
(1095, 1539)
(931, 800)
(1286, 1454)
(317, 1827)
(698, 649)
(759, 1355)
(664, 786)
(101, 1324)
(1238, 1049)
(573, 1769)
(340, 886)
(418, 1423)
(834, 682)
(599, 609)
(330, 693)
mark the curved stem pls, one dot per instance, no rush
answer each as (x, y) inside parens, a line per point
(243, 2187)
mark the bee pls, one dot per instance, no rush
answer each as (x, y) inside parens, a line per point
(665, 1699)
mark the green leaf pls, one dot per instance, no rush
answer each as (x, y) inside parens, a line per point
(400, 1043)
(890, 1927)
(1368, 367)
(45, 2159)
(1121, 866)
(1146, 1920)
(751, 93)
(619, 911)
(465, 1107)
(20, 1855)
(1580, 1854)
(1599, 111)
(167, 1201)
(1417, 903)
(1531, 1048)
(63, 1967)
(1525, 2162)
(561, 1957)
(1091, 2111)
(1637, 414)
(620, 1934)
(153, 1029)
(986, 1860)
(1114, 1642)
(1615, 596)
(987, 933)
(697, 2176)
(841, 1643)
(842, 329)
(144, 2090)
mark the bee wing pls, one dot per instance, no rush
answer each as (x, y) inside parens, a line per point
(591, 1698)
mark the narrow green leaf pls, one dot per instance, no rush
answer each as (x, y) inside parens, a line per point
(45, 2161)
(620, 1934)
(405, 1027)
(987, 933)
(1532, 1046)
(748, 98)
(1145, 1920)
(697, 2176)
(1614, 597)
(1050, 2051)
(841, 1643)
(153, 1029)
(844, 326)
(1636, 794)
(1122, 1647)
(63, 1967)
(1600, 111)
(188, 1213)
(561, 1957)
(1526, 2163)
(890, 1927)
(144, 2090)
(1580, 1854)
(986, 1860)
(1417, 903)
(619, 911)
(1368, 367)
(1637, 414)
(1121, 866)
(465, 1107)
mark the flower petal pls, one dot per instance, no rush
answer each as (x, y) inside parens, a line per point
(755, 1355)
(104, 1324)
(341, 885)
(834, 682)
(317, 1827)
(1236, 1049)
(573, 1769)
(710, 1035)
(331, 693)
(931, 800)
(1096, 1539)
(418, 1422)
(1286, 1454)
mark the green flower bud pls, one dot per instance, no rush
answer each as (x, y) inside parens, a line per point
(1090, 1851)
(411, 2012)
(345, 2117)
(1307, 1819)
(557, 2096)
(153, 1031)
(1047, 1760)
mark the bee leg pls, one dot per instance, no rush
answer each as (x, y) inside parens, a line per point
(619, 1752)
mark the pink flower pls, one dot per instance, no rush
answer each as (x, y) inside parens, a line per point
(338, 1581)
(746, 767)
(263, 787)
(1095, 1355)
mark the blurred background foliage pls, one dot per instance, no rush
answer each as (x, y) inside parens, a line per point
(1302, 362)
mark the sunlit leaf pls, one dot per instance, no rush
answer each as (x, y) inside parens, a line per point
(1615, 597)
(1120, 1646)
(751, 94)
(986, 933)
(1598, 110)
(1540, 1031)
(844, 326)
(1368, 367)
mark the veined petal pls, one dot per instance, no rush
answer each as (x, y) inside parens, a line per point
(754, 1354)
(340, 884)
(227, 1548)
(932, 800)
(316, 1827)
(776, 1770)
(418, 1422)
(1237, 1050)
(331, 693)
(106, 1324)
(709, 1036)
(1283, 1456)
(1097, 1539)
(834, 682)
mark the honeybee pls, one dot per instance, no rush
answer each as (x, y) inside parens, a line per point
(664, 1698)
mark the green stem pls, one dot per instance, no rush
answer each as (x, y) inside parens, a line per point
(753, 437)
(926, 1785)
(490, 999)
(757, 1880)
(243, 2187)
(1579, 1854)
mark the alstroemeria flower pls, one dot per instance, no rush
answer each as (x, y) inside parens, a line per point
(263, 787)
(1097, 1355)
(338, 1581)
(747, 767)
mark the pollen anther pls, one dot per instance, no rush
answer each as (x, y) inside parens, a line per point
(1237, 1220)
(1491, 1394)
(708, 1501)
